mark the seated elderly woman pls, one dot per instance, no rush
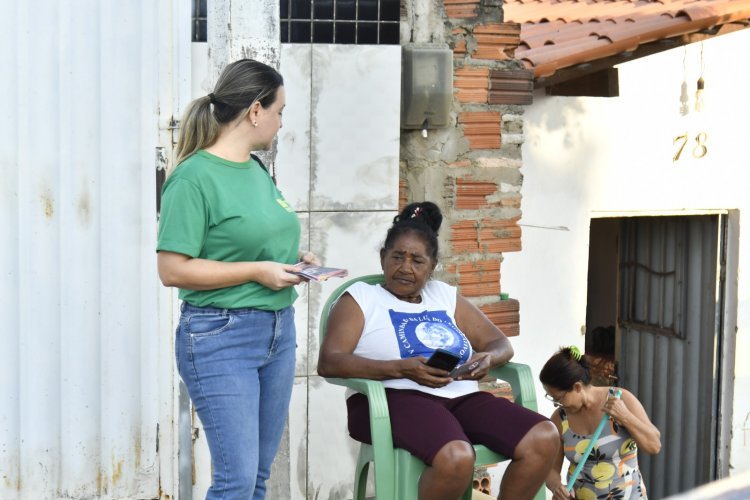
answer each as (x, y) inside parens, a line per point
(388, 333)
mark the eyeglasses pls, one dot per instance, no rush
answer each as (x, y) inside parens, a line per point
(556, 402)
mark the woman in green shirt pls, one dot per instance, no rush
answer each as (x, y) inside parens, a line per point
(228, 241)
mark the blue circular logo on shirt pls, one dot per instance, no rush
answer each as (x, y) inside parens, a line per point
(436, 335)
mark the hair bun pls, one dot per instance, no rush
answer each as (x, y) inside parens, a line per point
(425, 212)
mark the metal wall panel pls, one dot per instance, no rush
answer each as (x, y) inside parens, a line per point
(80, 387)
(666, 342)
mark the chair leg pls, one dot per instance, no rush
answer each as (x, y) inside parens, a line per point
(360, 475)
(408, 471)
(360, 483)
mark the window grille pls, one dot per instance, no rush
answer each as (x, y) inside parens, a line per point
(340, 21)
(359, 22)
(200, 14)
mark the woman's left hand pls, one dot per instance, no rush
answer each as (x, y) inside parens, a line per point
(481, 369)
(628, 412)
(308, 257)
(617, 409)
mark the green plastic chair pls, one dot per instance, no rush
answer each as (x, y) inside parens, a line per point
(397, 472)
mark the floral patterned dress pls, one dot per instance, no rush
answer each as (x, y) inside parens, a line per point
(611, 471)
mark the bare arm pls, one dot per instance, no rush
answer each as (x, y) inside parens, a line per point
(554, 480)
(629, 412)
(490, 344)
(336, 359)
(183, 271)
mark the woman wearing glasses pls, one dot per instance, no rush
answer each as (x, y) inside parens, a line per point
(612, 468)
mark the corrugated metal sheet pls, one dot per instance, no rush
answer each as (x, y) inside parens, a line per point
(82, 368)
(667, 342)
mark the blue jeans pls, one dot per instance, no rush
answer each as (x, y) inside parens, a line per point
(238, 366)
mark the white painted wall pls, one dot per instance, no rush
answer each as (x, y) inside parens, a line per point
(584, 157)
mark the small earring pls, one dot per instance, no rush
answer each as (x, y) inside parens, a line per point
(255, 124)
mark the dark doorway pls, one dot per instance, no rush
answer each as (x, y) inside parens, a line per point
(654, 325)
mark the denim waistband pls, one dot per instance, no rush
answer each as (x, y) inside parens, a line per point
(189, 308)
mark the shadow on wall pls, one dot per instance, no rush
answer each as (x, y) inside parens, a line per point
(559, 118)
(551, 121)
(565, 138)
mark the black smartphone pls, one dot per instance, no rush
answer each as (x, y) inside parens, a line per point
(445, 360)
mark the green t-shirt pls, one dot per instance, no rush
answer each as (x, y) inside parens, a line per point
(221, 210)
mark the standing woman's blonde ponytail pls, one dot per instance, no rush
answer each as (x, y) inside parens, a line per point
(198, 130)
(240, 84)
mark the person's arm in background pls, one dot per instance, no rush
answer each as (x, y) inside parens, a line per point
(345, 324)
(628, 412)
(491, 346)
(554, 482)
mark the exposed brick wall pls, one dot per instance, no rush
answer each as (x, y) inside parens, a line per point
(514, 86)
(485, 236)
(403, 194)
(472, 84)
(472, 169)
(496, 42)
(504, 314)
(471, 194)
(461, 8)
(479, 278)
(481, 128)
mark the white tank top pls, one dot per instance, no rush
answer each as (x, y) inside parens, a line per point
(395, 329)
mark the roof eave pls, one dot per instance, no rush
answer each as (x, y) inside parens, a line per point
(545, 76)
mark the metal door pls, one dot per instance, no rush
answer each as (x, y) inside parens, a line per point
(671, 278)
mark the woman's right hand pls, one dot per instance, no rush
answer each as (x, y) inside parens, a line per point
(416, 369)
(276, 276)
(560, 492)
(193, 273)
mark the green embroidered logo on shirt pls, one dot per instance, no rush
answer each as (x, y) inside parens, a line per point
(284, 204)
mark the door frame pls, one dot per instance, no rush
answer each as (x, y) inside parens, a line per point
(174, 70)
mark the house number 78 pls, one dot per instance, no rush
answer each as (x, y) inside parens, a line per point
(699, 150)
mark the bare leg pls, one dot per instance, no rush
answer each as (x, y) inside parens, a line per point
(450, 474)
(531, 463)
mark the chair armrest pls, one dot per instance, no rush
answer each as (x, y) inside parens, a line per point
(520, 379)
(380, 419)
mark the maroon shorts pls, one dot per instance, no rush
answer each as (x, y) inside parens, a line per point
(422, 423)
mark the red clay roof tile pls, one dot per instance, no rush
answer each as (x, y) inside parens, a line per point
(557, 34)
